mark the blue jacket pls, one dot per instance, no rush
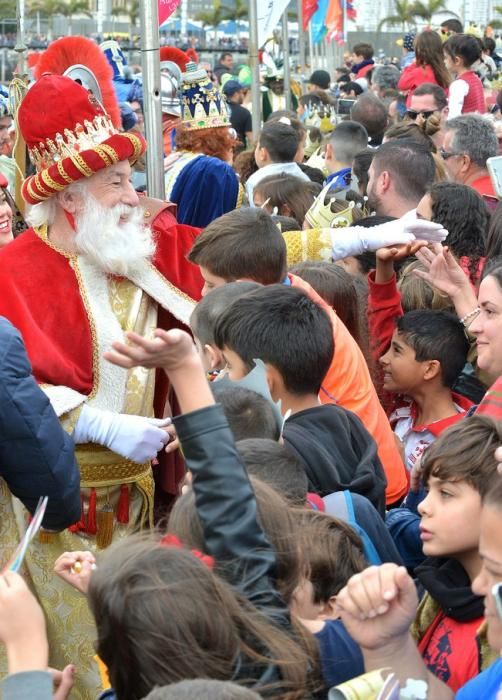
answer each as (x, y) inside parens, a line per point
(36, 455)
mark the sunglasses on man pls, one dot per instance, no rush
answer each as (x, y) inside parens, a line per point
(447, 154)
(413, 115)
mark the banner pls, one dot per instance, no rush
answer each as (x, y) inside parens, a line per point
(318, 23)
(309, 7)
(269, 12)
(166, 9)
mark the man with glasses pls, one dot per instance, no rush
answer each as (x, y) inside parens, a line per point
(469, 140)
(429, 101)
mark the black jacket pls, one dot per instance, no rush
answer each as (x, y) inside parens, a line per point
(36, 455)
(226, 506)
(337, 452)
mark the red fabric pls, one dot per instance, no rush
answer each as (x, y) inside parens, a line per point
(362, 72)
(413, 76)
(483, 185)
(71, 50)
(39, 295)
(474, 101)
(348, 383)
(491, 405)
(53, 104)
(450, 650)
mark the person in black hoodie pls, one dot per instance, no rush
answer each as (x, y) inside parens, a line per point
(457, 470)
(292, 335)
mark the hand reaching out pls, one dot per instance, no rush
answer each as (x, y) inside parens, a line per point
(399, 252)
(22, 625)
(168, 349)
(442, 271)
(76, 569)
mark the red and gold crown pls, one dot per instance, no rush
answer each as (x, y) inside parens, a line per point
(69, 136)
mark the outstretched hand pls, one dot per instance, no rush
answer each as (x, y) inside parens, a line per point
(399, 252)
(168, 349)
(76, 568)
(442, 271)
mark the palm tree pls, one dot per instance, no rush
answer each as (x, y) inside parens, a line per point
(71, 8)
(47, 8)
(494, 23)
(212, 18)
(404, 15)
(425, 9)
(239, 10)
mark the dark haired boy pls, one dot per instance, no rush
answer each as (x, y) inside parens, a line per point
(293, 336)
(275, 154)
(427, 354)
(205, 315)
(249, 414)
(362, 60)
(458, 470)
(245, 244)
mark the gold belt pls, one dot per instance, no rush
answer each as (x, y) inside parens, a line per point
(101, 467)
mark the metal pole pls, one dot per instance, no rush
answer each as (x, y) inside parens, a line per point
(150, 62)
(301, 44)
(255, 69)
(285, 53)
(20, 150)
(99, 17)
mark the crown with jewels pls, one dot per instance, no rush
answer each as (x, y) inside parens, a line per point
(321, 214)
(203, 106)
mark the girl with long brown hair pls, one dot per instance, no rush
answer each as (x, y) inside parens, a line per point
(428, 66)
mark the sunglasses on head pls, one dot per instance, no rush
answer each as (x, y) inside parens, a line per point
(413, 115)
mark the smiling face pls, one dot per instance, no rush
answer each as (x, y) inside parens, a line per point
(490, 550)
(487, 327)
(6, 235)
(402, 372)
(450, 519)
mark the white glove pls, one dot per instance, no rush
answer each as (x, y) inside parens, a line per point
(355, 240)
(134, 437)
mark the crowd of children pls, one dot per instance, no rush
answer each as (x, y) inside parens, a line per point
(338, 409)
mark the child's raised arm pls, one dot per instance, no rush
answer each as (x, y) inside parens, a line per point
(224, 497)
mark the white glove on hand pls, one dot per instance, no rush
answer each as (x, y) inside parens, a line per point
(134, 437)
(355, 240)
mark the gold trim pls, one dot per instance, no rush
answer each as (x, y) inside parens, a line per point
(240, 196)
(81, 165)
(112, 153)
(136, 144)
(32, 193)
(41, 187)
(103, 155)
(92, 327)
(44, 174)
(43, 233)
(171, 285)
(63, 173)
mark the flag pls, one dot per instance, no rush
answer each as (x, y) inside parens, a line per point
(308, 9)
(269, 13)
(166, 9)
(334, 18)
(318, 24)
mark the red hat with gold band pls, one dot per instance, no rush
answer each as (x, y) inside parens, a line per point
(69, 136)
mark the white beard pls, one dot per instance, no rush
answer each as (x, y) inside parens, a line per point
(116, 247)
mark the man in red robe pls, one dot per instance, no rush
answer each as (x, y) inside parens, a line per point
(97, 262)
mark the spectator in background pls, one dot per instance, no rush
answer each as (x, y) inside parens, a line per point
(469, 141)
(450, 27)
(371, 112)
(407, 44)
(400, 174)
(490, 49)
(240, 117)
(428, 108)
(362, 56)
(384, 78)
(319, 80)
(348, 139)
(224, 65)
(429, 65)
(350, 90)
